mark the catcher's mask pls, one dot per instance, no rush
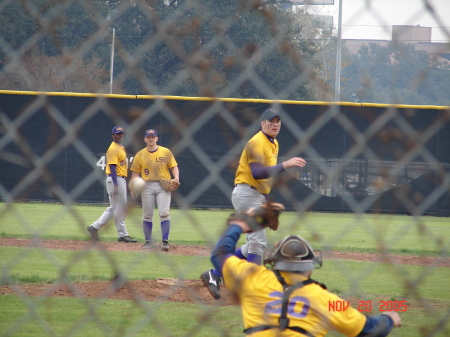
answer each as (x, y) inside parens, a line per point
(294, 254)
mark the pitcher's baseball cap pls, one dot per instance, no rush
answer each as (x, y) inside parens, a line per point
(116, 129)
(269, 114)
(151, 132)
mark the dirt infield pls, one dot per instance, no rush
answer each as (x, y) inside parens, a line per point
(163, 289)
(168, 290)
(205, 251)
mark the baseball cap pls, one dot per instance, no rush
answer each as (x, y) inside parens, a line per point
(151, 132)
(116, 129)
(269, 114)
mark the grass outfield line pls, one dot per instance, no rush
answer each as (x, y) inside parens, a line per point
(21, 262)
(115, 318)
(122, 318)
(335, 231)
(156, 319)
(426, 288)
(25, 264)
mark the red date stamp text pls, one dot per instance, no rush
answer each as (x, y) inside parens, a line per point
(365, 306)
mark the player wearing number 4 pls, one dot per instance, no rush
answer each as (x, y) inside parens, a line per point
(116, 187)
(153, 164)
(285, 301)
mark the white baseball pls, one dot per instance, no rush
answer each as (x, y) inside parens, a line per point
(136, 185)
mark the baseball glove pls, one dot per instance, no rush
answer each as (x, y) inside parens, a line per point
(169, 184)
(261, 217)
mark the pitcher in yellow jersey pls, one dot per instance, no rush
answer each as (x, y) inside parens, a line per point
(257, 166)
(284, 301)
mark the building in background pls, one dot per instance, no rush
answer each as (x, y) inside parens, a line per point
(419, 36)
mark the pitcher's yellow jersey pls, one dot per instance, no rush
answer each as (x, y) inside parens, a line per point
(154, 165)
(259, 149)
(257, 287)
(116, 155)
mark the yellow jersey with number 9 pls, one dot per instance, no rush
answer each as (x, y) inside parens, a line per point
(259, 149)
(116, 155)
(154, 165)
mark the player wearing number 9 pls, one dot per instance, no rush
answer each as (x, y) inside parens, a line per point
(155, 163)
(285, 301)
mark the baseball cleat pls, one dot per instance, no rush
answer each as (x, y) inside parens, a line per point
(147, 245)
(165, 246)
(93, 233)
(212, 282)
(126, 239)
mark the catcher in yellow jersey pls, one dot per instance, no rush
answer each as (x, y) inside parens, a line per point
(257, 166)
(116, 186)
(153, 164)
(285, 301)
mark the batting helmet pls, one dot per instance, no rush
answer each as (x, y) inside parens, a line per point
(294, 254)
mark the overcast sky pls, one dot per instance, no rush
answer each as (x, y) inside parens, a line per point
(373, 19)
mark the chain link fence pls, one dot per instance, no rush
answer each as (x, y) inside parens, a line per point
(201, 73)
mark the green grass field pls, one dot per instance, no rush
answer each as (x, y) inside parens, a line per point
(425, 288)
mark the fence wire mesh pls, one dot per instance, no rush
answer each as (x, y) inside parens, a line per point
(201, 72)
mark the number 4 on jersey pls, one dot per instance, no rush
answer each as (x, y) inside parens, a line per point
(102, 162)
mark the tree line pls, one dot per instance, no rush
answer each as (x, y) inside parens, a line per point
(224, 48)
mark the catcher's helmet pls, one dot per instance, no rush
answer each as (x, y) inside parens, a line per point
(294, 254)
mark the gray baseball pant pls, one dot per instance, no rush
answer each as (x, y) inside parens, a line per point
(243, 198)
(118, 208)
(154, 194)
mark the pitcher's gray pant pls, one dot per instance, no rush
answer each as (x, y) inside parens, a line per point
(243, 198)
(118, 208)
(154, 194)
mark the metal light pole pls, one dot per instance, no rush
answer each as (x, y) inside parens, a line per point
(112, 62)
(337, 82)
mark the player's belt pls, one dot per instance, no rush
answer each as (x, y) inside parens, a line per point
(252, 188)
(118, 176)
